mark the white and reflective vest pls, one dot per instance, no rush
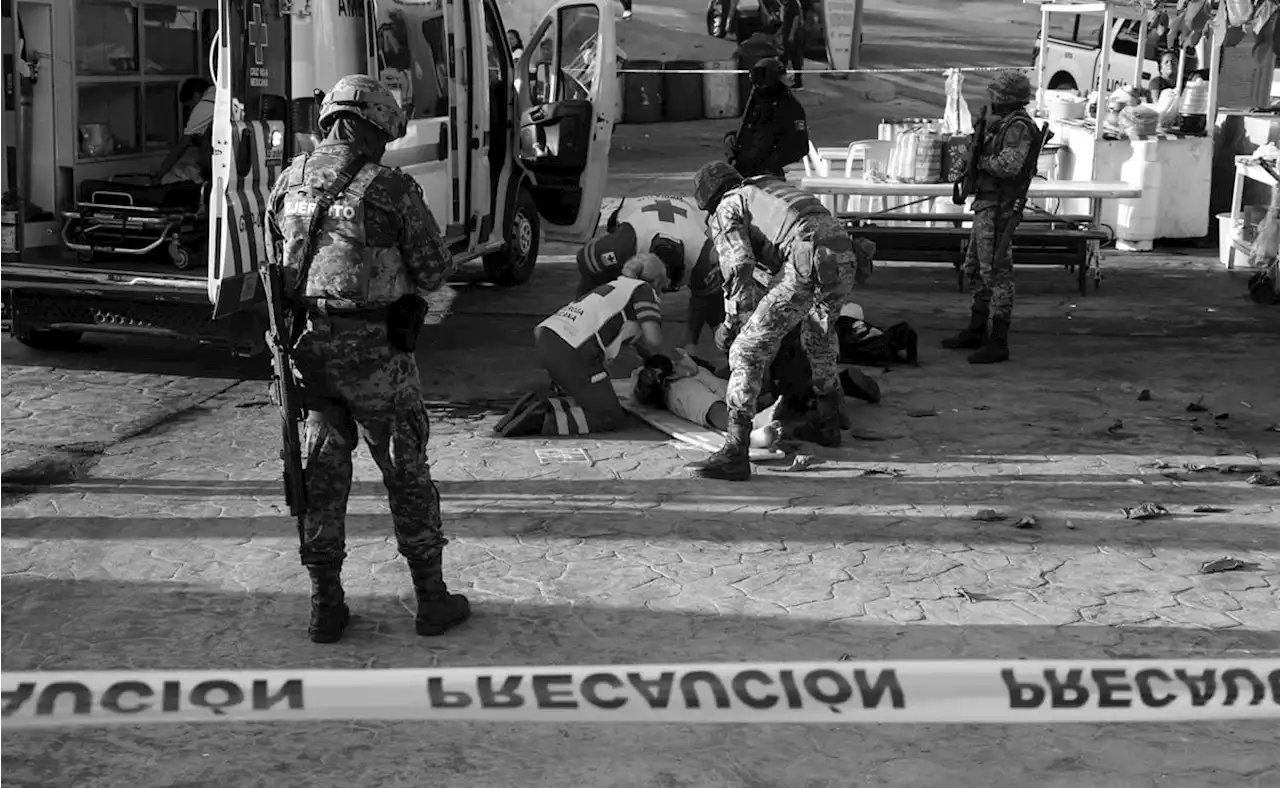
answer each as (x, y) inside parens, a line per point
(345, 266)
(666, 216)
(604, 315)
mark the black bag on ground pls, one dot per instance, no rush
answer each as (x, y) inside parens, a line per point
(863, 343)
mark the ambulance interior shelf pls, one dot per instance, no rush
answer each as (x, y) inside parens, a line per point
(556, 129)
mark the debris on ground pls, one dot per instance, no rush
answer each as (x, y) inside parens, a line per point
(1240, 468)
(1145, 511)
(1225, 564)
(1221, 416)
(1210, 509)
(974, 596)
(1144, 395)
(1273, 428)
(1027, 522)
(1196, 467)
(801, 462)
(883, 470)
(1158, 465)
(988, 516)
(1264, 480)
(1070, 525)
(921, 413)
(1197, 406)
(845, 657)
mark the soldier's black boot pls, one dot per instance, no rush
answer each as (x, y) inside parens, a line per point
(438, 610)
(824, 428)
(996, 348)
(329, 612)
(732, 463)
(972, 337)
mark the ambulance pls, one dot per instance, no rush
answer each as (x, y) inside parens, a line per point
(506, 152)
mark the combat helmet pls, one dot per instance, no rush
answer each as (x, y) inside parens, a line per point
(366, 98)
(1010, 87)
(711, 182)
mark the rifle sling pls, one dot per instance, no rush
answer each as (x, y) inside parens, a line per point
(327, 197)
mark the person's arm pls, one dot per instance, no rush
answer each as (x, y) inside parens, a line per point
(731, 232)
(423, 252)
(792, 141)
(697, 318)
(175, 154)
(198, 122)
(645, 308)
(1014, 149)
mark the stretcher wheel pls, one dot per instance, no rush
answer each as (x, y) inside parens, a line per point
(180, 256)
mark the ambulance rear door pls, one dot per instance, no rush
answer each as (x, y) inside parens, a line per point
(566, 84)
(420, 52)
(250, 62)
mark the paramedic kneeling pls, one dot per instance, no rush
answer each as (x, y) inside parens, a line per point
(575, 346)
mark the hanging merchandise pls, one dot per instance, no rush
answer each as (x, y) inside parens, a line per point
(917, 156)
(957, 127)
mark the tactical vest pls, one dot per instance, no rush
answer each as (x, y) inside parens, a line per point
(989, 187)
(345, 269)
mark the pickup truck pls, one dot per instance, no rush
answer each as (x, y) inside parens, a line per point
(1075, 46)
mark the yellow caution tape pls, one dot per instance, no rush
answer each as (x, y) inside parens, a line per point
(923, 691)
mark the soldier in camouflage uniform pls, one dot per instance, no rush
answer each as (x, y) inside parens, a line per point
(1002, 154)
(377, 255)
(780, 238)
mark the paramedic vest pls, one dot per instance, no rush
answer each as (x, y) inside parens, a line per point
(599, 317)
(663, 216)
(345, 269)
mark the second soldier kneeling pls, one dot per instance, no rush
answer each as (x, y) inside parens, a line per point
(576, 345)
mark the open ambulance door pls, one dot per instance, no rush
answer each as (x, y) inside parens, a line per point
(421, 53)
(566, 84)
(251, 54)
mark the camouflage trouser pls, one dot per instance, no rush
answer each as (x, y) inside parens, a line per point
(990, 278)
(355, 383)
(808, 293)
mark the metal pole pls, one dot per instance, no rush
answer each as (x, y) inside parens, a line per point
(1044, 53)
(855, 60)
(1140, 62)
(1104, 70)
(1215, 65)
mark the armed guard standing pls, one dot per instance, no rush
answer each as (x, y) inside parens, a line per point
(774, 131)
(1001, 156)
(785, 261)
(358, 251)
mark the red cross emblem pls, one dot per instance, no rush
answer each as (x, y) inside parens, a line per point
(258, 35)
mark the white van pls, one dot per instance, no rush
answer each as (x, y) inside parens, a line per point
(505, 152)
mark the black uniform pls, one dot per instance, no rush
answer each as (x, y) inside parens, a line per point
(774, 134)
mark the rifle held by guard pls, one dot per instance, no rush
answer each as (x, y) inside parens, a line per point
(967, 186)
(1021, 186)
(284, 389)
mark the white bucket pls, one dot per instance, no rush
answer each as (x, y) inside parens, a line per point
(720, 91)
(1226, 241)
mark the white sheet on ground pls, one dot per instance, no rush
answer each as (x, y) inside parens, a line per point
(696, 435)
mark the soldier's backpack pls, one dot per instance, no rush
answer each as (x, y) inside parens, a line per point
(864, 344)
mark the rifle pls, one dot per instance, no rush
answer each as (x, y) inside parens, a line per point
(284, 388)
(285, 324)
(967, 186)
(1022, 185)
(742, 122)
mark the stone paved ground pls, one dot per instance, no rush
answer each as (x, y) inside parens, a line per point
(172, 552)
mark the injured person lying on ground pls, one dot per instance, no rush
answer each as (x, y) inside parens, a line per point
(695, 394)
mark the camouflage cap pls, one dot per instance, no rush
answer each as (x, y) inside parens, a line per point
(364, 97)
(1010, 87)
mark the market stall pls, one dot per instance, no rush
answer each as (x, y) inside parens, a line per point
(1171, 161)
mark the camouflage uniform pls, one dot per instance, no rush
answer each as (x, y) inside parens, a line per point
(378, 244)
(1002, 153)
(782, 238)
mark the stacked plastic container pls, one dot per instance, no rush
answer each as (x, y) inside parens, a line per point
(1136, 216)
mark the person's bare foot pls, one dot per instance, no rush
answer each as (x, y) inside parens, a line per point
(766, 437)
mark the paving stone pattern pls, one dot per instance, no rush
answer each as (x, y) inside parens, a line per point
(173, 553)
